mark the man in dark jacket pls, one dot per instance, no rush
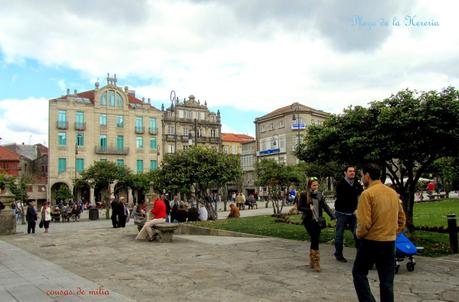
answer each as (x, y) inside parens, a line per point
(347, 193)
(31, 218)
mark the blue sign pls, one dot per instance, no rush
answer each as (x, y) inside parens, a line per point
(298, 126)
(270, 151)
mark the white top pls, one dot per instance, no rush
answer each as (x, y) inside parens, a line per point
(47, 213)
(203, 215)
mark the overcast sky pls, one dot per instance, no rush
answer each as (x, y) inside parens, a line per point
(245, 58)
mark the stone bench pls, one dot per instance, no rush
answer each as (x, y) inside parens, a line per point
(165, 231)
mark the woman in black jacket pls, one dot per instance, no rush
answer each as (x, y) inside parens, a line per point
(312, 204)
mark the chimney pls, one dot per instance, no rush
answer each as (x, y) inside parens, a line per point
(143, 100)
(126, 89)
(149, 102)
(75, 91)
(68, 91)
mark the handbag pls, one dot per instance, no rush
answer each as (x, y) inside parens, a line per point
(321, 222)
(40, 225)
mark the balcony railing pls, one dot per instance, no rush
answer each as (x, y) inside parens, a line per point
(80, 125)
(153, 131)
(62, 125)
(139, 130)
(170, 137)
(111, 150)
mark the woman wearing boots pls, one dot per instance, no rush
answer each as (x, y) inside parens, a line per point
(312, 204)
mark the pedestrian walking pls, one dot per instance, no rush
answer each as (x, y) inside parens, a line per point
(348, 191)
(31, 217)
(45, 212)
(380, 217)
(312, 204)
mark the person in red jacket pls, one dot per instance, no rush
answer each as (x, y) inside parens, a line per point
(158, 215)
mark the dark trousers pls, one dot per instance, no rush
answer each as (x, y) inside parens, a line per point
(313, 230)
(115, 221)
(343, 220)
(122, 221)
(31, 227)
(381, 253)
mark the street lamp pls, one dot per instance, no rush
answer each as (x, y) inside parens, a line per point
(173, 98)
(296, 119)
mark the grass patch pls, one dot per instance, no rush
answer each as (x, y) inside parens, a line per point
(429, 214)
(435, 213)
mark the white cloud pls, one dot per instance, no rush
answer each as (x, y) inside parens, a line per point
(24, 121)
(260, 55)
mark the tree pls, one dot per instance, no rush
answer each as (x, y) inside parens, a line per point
(102, 174)
(278, 177)
(198, 169)
(63, 193)
(18, 187)
(447, 169)
(404, 133)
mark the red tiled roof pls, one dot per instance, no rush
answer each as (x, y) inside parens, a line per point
(236, 138)
(6, 154)
(90, 94)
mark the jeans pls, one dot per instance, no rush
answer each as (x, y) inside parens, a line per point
(381, 253)
(341, 221)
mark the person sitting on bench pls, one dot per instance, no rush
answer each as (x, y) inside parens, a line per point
(158, 215)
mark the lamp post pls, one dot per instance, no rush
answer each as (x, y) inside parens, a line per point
(296, 119)
(173, 98)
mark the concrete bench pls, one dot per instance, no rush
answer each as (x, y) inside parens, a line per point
(165, 231)
(437, 195)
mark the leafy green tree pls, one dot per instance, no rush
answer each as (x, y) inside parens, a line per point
(278, 177)
(447, 169)
(404, 133)
(199, 169)
(18, 187)
(102, 174)
(63, 193)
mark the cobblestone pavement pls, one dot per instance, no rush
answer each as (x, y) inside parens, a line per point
(91, 255)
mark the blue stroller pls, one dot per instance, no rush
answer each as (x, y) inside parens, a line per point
(405, 248)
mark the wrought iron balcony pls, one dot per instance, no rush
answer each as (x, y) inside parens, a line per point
(153, 131)
(111, 150)
(62, 125)
(139, 130)
(170, 137)
(80, 125)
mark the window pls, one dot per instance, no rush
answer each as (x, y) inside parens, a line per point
(185, 132)
(120, 121)
(120, 162)
(111, 98)
(139, 166)
(170, 130)
(120, 142)
(138, 121)
(79, 165)
(103, 142)
(153, 143)
(170, 148)
(153, 165)
(213, 133)
(202, 115)
(181, 114)
(62, 138)
(152, 123)
(103, 99)
(80, 139)
(199, 134)
(281, 124)
(61, 165)
(62, 116)
(139, 142)
(103, 120)
(79, 117)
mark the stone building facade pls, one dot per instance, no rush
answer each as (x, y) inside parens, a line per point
(190, 123)
(278, 132)
(106, 123)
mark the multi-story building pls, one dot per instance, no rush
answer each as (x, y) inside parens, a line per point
(9, 162)
(248, 165)
(33, 166)
(190, 123)
(279, 132)
(232, 142)
(106, 123)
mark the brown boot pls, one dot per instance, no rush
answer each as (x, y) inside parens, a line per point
(316, 260)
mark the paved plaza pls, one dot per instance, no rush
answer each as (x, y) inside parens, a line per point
(91, 261)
